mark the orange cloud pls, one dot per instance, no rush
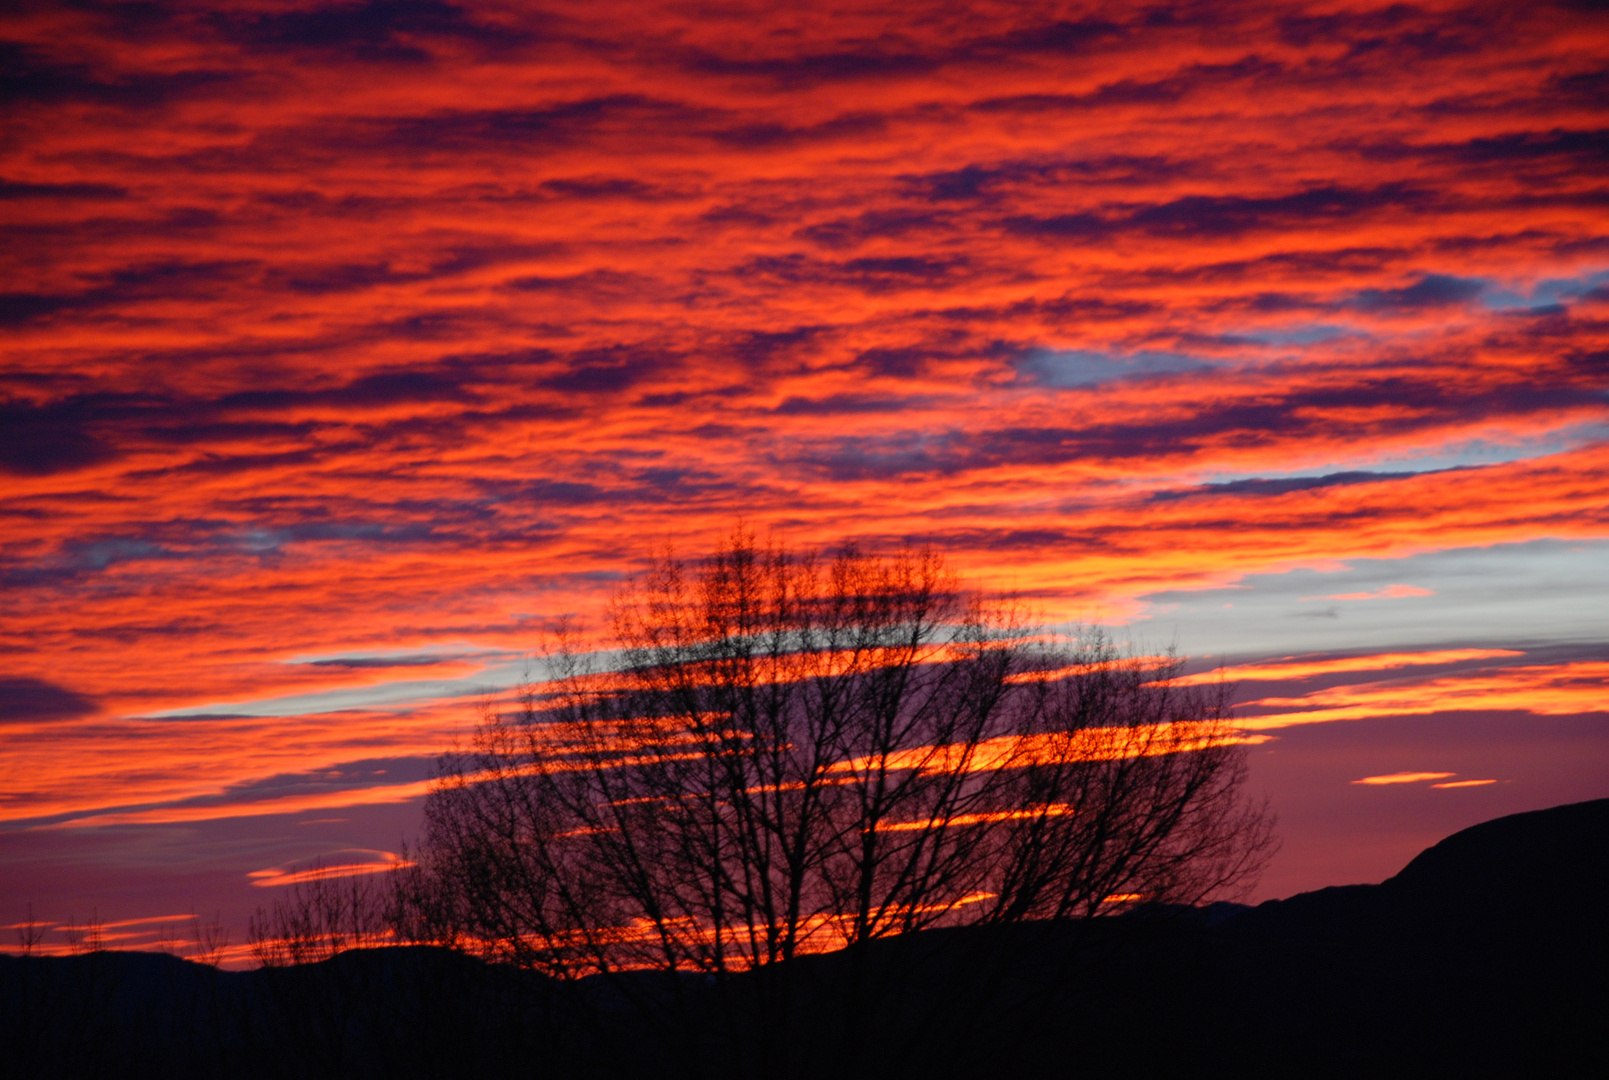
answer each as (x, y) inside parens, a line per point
(1303, 669)
(1085, 744)
(293, 804)
(1390, 592)
(1405, 778)
(340, 864)
(1545, 689)
(1049, 810)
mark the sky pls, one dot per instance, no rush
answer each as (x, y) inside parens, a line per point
(347, 347)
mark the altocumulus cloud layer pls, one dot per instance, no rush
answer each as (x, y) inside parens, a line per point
(348, 343)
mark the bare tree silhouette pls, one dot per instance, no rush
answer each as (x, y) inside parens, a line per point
(209, 941)
(320, 918)
(790, 755)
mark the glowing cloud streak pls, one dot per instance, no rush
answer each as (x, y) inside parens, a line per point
(1404, 778)
(1547, 689)
(1305, 669)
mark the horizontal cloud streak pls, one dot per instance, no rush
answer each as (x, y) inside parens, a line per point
(1542, 689)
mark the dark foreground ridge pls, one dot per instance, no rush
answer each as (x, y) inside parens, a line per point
(1487, 954)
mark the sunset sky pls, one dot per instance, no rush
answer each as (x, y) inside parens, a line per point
(348, 346)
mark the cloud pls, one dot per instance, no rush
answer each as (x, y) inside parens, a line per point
(841, 405)
(1308, 668)
(1390, 592)
(869, 63)
(373, 31)
(1220, 215)
(1201, 217)
(1588, 148)
(24, 699)
(1430, 291)
(282, 805)
(1543, 689)
(30, 76)
(121, 286)
(38, 440)
(12, 190)
(871, 276)
(556, 125)
(609, 373)
(369, 391)
(886, 58)
(379, 662)
(1404, 778)
(232, 788)
(1087, 367)
(350, 862)
(1257, 486)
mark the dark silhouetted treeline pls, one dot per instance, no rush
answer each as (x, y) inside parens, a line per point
(1486, 955)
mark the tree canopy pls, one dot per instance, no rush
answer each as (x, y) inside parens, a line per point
(789, 753)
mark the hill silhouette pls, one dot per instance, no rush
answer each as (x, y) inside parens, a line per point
(1486, 953)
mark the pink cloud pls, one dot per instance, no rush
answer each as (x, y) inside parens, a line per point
(1390, 592)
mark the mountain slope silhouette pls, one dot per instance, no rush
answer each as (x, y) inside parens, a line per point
(1487, 950)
